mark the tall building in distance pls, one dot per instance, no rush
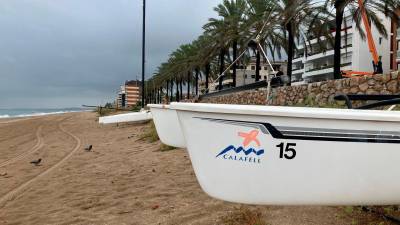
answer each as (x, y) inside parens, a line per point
(133, 92)
(312, 63)
(129, 94)
(121, 97)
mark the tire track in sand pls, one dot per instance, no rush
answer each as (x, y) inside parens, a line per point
(13, 121)
(39, 144)
(13, 193)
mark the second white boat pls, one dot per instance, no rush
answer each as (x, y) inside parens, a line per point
(167, 125)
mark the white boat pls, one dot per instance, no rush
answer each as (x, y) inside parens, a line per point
(167, 125)
(126, 117)
(293, 156)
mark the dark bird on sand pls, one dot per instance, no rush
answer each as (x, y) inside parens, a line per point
(36, 162)
(89, 148)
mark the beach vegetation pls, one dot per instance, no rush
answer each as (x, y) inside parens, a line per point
(150, 133)
(166, 148)
(102, 111)
(243, 215)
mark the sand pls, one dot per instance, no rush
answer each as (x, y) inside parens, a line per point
(123, 180)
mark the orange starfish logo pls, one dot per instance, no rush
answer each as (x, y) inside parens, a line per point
(250, 137)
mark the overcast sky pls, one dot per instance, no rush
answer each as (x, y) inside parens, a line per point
(65, 53)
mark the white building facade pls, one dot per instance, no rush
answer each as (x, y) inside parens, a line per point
(312, 63)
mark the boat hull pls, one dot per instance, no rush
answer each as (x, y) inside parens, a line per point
(167, 125)
(289, 160)
(127, 117)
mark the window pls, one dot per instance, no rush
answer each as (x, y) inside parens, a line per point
(253, 76)
(265, 67)
(245, 76)
(265, 77)
(380, 40)
(253, 67)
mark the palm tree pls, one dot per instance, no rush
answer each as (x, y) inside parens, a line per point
(298, 15)
(287, 18)
(372, 7)
(226, 30)
(263, 26)
(233, 13)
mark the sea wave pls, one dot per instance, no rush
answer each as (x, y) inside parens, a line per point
(4, 116)
(39, 114)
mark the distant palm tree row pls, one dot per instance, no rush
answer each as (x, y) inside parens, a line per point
(278, 25)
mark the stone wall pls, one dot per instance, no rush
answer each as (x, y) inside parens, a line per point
(314, 94)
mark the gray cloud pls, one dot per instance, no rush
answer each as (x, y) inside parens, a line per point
(70, 52)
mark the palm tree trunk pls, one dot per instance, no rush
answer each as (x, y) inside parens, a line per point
(172, 91)
(188, 85)
(177, 90)
(221, 68)
(338, 40)
(207, 75)
(197, 82)
(167, 89)
(290, 51)
(235, 45)
(180, 85)
(258, 62)
(160, 96)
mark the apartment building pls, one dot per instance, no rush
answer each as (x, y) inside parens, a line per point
(247, 74)
(133, 93)
(129, 94)
(121, 97)
(313, 63)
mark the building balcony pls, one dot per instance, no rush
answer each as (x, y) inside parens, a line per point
(325, 69)
(297, 71)
(328, 53)
(298, 59)
(315, 40)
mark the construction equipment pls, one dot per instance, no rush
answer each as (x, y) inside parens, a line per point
(376, 62)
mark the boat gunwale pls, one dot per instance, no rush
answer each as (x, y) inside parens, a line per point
(287, 111)
(159, 106)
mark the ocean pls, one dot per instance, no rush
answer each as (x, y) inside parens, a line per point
(12, 113)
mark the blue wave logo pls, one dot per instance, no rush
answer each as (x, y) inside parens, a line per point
(241, 149)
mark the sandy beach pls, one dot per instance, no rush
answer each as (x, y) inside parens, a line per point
(123, 180)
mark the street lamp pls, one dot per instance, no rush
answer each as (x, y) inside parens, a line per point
(143, 49)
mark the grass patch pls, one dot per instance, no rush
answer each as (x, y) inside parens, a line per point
(150, 134)
(104, 111)
(166, 148)
(243, 216)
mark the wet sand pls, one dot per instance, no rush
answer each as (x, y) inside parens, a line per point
(123, 180)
